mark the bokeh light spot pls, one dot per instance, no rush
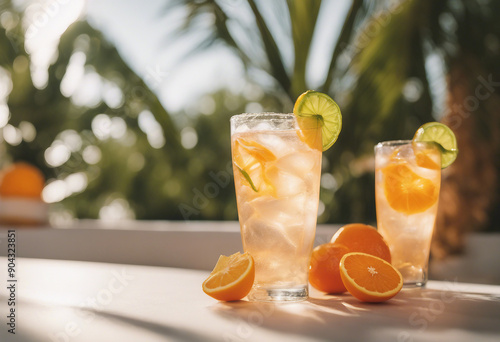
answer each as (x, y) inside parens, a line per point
(153, 130)
(28, 131)
(189, 138)
(91, 154)
(4, 115)
(12, 135)
(57, 154)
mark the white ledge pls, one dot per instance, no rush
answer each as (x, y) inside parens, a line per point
(198, 244)
(183, 244)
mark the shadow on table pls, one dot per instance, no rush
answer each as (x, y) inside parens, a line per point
(177, 334)
(411, 314)
(25, 334)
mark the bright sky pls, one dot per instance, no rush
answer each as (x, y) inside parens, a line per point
(140, 33)
(143, 36)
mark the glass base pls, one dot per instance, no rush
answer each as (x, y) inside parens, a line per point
(414, 276)
(279, 295)
(414, 284)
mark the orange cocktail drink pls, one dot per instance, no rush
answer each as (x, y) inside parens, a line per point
(407, 183)
(277, 180)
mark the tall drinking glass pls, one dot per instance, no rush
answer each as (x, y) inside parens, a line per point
(407, 183)
(277, 181)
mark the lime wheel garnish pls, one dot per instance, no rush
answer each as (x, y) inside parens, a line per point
(319, 119)
(443, 137)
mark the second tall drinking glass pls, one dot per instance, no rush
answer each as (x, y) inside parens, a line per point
(277, 180)
(407, 183)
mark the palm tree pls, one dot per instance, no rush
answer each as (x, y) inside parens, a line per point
(125, 171)
(383, 71)
(120, 172)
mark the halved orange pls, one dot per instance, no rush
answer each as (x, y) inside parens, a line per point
(232, 277)
(369, 278)
(406, 191)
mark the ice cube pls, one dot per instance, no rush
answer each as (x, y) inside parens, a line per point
(405, 152)
(299, 163)
(297, 206)
(287, 211)
(285, 183)
(278, 146)
(261, 234)
(245, 209)
(263, 126)
(296, 232)
(241, 128)
(432, 175)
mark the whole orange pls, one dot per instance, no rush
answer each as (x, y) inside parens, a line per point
(362, 238)
(21, 180)
(324, 273)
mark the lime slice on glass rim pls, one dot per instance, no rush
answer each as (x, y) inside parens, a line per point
(317, 112)
(441, 135)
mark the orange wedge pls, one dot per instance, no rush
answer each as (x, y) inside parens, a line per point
(232, 277)
(369, 278)
(406, 191)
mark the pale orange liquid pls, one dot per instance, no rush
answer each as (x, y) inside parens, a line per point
(408, 226)
(278, 221)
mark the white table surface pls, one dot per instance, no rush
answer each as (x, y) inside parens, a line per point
(76, 301)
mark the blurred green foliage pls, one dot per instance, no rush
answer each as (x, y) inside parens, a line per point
(377, 73)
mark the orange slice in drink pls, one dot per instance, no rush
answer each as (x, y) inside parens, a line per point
(369, 278)
(251, 158)
(251, 153)
(423, 160)
(406, 191)
(232, 277)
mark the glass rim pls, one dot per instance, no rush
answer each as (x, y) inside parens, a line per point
(394, 143)
(266, 115)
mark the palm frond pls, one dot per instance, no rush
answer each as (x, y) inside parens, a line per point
(342, 42)
(383, 71)
(303, 16)
(218, 32)
(272, 51)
